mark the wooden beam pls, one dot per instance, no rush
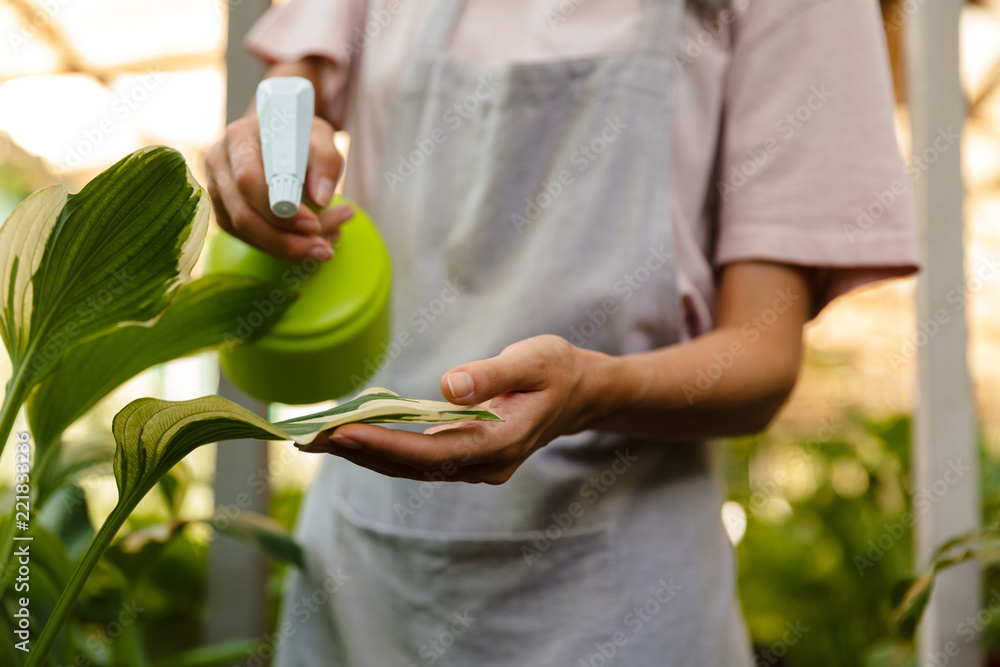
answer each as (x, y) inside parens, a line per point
(946, 473)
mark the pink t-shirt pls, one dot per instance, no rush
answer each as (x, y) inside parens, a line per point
(784, 147)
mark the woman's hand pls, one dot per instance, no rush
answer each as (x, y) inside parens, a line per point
(541, 387)
(238, 188)
(730, 381)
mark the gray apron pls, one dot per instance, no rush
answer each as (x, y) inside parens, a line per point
(536, 202)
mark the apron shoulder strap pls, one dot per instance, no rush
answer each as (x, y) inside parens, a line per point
(441, 21)
(661, 27)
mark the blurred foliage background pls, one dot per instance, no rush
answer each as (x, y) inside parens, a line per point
(820, 507)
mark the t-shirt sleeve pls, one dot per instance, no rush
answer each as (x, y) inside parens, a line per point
(809, 172)
(330, 29)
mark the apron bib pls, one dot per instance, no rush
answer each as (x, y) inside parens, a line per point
(536, 201)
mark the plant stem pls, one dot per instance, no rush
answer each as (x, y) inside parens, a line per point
(72, 591)
(38, 471)
(6, 549)
(12, 401)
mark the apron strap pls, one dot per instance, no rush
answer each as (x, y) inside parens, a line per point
(661, 27)
(440, 25)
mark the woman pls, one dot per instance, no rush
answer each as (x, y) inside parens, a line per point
(633, 207)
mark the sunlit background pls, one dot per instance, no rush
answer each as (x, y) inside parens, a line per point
(84, 82)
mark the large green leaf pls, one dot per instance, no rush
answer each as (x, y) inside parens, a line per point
(153, 435)
(77, 265)
(23, 239)
(206, 313)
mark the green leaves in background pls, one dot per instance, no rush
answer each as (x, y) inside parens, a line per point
(75, 266)
(201, 316)
(222, 654)
(982, 545)
(263, 532)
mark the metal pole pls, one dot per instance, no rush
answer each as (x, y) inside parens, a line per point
(946, 475)
(237, 573)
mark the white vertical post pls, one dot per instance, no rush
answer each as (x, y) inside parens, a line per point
(945, 422)
(237, 573)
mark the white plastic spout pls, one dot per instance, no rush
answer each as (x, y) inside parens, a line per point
(285, 107)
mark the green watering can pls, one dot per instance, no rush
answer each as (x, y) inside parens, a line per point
(328, 342)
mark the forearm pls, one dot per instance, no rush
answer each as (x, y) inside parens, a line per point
(731, 381)
(718, 385)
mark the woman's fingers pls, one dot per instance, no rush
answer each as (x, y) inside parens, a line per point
(449, 471)
(524, 366)
(325, 163)
(331, 220)
(469, 444)
(238, 187)
(247, 224)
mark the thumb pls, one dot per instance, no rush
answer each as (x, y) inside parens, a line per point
(479, 381)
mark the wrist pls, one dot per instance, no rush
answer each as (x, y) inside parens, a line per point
(603, 388)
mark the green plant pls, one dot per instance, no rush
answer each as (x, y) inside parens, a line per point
(76, 266)
(95, 288)
(817, 509)
(152, 436)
